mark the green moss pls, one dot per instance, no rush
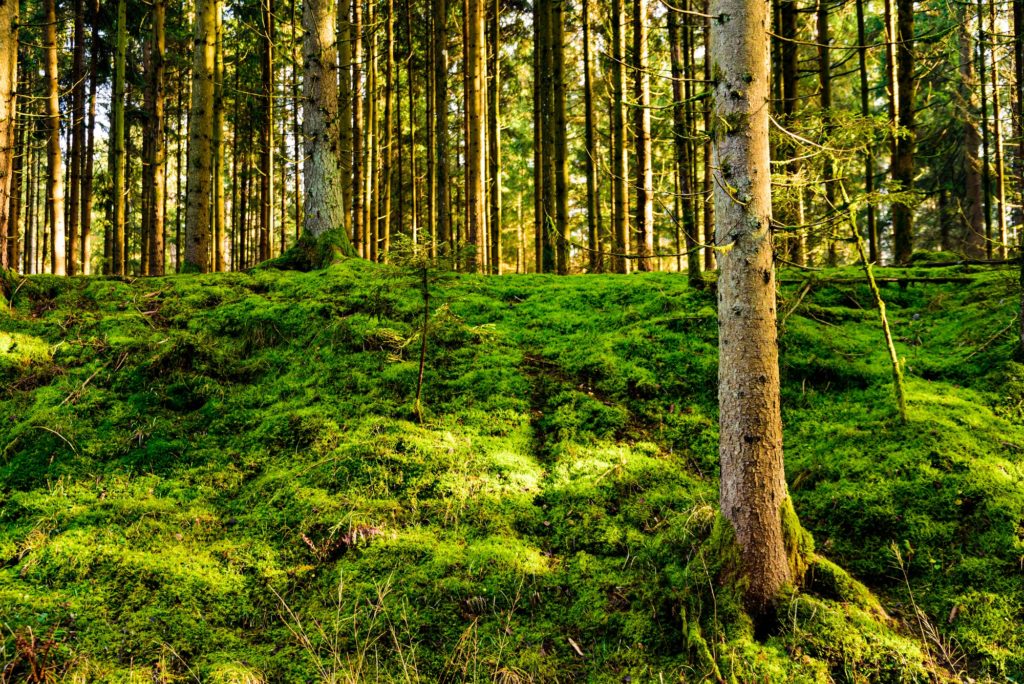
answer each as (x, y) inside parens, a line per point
(194, 465)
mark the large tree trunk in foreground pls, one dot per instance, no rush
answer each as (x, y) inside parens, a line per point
(324, 204)
(753, 485)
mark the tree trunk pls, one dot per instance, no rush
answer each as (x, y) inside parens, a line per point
(77, 138)
(825, 92)
(357, 130)
(642, 133)
(791, 210)
(494, 136)
(903, 156)
(998, 135)
(54, 161)
(476, 140)
(8, 140)
(1018, 67)
(324, 208)
(267, 133)
(753, 485)
(620, 167)
(219, 217)
(200, 147)
(560, 128)
(869, 159)
(539, 218)
(296, 128)
(387, 158)
(345, 98)
(444, 234)
(973, 213)
(681, 134)
(155, 168)
(594, 255)
(707, 194)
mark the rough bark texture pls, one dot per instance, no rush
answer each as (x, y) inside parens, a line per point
(324, 204)
(642, 131)
(753, 486)
(8, 83)
(620, 170)
(476, 125)
(200, 133)
(54, 161)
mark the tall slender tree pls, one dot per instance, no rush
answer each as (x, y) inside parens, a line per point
(157, 158)
(642, 133)
(620, 169)
(476, 124)
(8, 107)
(54, 158)
(200, 147)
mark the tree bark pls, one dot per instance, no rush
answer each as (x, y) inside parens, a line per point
(594, 253)
(869, 159)
(8, 108)
(157, 149)
(642, 133)
(494, 136)
(680, 135)
(620, 166)
(54, 160)
(903, 152)
(324, 207)
(77, 138)
(267, 132)
(476, 141)
(973, 213)
(444, 233)
(219, 217)
(753, 485)
(200, 148)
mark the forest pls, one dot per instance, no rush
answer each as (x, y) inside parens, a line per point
(434, 341)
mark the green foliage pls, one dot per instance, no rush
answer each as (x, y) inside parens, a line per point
(223, 474)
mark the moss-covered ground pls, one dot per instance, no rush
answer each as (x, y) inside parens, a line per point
(223, 478)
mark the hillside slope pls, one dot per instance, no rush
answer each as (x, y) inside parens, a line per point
(222, 478)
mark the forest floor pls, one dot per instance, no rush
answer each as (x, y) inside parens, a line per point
(222, 478)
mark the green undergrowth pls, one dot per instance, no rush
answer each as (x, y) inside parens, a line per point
(223, 478)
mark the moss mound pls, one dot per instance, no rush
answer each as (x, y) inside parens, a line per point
(222, 477)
